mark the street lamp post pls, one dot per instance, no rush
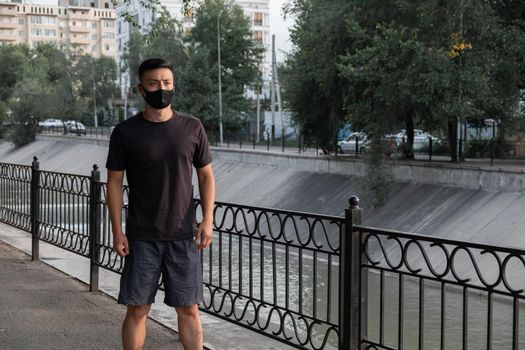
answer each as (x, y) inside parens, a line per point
(95, 119)
(219, 73)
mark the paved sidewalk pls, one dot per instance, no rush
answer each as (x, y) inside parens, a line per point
(42, 308)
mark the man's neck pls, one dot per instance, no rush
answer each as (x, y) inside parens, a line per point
(158, 115)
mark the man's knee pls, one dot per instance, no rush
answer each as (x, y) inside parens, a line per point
(139, 312)
(188, 311)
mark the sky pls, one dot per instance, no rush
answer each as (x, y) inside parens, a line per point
(278, 26)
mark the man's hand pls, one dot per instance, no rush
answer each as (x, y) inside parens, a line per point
(120, 244)
(204, 234)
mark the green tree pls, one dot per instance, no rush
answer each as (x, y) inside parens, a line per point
(99, 74)
(11, 71)
(238, 63)
(313, 87)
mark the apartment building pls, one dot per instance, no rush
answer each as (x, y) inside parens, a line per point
(257, 11)
(87, 30)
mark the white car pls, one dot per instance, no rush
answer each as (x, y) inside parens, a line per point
(421, 138)
(51, 124)
(348, 145)
(75, 127)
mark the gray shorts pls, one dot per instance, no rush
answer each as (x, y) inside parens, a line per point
(179, 262)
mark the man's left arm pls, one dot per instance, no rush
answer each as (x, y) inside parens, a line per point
(207, 195)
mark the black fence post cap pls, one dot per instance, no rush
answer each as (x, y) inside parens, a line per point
(354, 202)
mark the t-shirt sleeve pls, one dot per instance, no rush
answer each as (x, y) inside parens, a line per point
(116, 157)
(202, 155)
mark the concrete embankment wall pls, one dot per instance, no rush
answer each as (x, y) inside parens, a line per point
(474, 204)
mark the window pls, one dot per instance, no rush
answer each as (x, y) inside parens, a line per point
(257, 19)
(258, 36)
(62, 24)
(36, 32)
(50, 32)
(20, 33)
(92, 4)
(36, 19)
(20, 21)
(109, 24)
(48, 20)
(109, 35)
(94, 25)
(119, 27)
(188, 17)
(94, 37)
(106, 5)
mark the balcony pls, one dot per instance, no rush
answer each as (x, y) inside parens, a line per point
(79, 40)
(78, 15)
(79, 29)
(8, 25)
(7, 9)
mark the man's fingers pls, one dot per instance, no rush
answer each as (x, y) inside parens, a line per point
(205, 241)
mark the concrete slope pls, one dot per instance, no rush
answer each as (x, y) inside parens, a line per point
(453, 212)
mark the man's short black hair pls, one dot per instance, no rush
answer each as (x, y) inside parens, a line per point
(154, 63)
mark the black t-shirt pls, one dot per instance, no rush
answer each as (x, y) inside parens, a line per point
(158, 160)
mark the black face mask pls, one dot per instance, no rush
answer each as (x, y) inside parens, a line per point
(158, 99)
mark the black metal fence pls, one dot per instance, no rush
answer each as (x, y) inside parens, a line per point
(310, 281)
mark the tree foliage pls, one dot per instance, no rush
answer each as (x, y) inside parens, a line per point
(406, 64)
(313, 86)
(46, 82)
(195, 59)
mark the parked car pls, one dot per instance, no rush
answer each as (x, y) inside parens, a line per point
(75, 127)
(348, 145)
(421, 138)
(51, 124)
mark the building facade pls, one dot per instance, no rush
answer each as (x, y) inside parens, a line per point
(87, 30)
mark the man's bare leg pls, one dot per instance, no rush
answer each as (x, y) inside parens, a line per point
(190, 327)
(134, 327)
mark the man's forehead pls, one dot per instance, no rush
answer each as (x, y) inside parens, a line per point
(158, 74)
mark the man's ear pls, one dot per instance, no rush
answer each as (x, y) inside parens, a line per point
(140, 89)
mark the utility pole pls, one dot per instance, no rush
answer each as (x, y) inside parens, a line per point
(258, 127)
(277, 86)
(219, 73)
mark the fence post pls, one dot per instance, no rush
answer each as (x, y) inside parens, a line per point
(430, 145)
(268, 141)
(350, 280)
(34, 208)
(94, 227)
(491, 151)
(357, 146)
(254, 140)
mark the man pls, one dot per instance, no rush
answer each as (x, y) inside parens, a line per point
(158, 149)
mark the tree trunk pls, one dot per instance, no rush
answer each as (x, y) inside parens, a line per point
(452, 139)
(409, 142)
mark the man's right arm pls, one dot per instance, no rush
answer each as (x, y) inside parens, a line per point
(115, 203)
